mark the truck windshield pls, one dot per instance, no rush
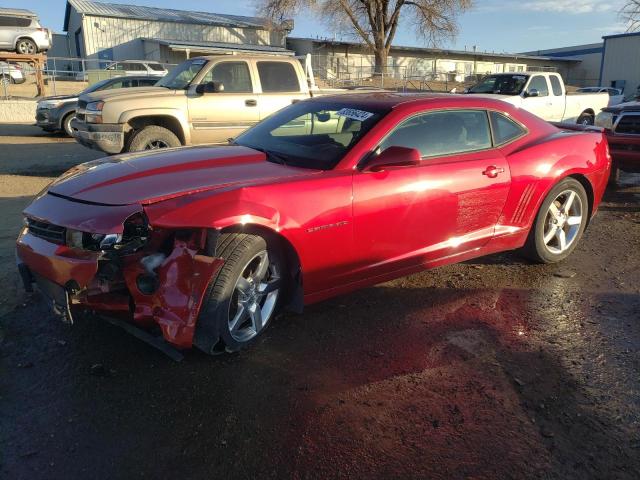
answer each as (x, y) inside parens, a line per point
(311, 134)
(500, 84)
(181, 77)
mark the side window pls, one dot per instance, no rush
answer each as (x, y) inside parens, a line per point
(278, 77)
(147, 82)
(114, 85)
(23, 22)
(234, 76)
(504, 129)
(539, 83)
(443, 133)
(555, 85)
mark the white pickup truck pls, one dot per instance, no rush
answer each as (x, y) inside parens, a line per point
(543, 94)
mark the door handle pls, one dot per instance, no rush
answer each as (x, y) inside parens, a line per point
(493, 171)
(251, 103)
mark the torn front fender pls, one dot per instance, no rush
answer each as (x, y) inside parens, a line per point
(182, 281)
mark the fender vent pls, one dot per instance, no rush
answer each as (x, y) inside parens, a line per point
(525, 198)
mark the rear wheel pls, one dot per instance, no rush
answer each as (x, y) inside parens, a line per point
(5, 80)
(559, 223)
(26, 46)
(585, 119)
(153, 137)
(243, 297)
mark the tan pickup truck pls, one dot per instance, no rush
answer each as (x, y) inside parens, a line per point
(203, 100)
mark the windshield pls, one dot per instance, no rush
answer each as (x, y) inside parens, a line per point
(181, 77)
(500, 84)
(311, 134)
(96, 86)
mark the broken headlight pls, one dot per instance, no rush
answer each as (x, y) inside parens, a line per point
(134, 235)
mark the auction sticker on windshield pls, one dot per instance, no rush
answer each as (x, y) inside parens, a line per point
(354, 114)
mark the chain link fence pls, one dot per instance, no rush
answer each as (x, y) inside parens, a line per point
(66, 75)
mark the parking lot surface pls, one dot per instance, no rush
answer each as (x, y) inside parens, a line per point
(495, 368)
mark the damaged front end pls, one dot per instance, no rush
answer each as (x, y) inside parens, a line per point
(83, 258)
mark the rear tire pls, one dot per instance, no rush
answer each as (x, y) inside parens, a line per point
(26, 46)
(559, 224)
(243, 297)
(585, 119)
(153, 138)
(5, 80)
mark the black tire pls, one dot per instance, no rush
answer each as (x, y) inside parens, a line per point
(614, 176)
(585, 119)
(222, 300)
(5, 80)
(536, 249)
(153, 138)
(66, 124)
(26, 46)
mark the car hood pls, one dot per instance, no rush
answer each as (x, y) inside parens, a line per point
(623, 107)
(146, 178)
(133, 92)
(68, 98)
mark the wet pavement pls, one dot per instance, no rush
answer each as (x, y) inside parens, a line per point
(495, 368)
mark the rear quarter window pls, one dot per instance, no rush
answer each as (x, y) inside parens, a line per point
(555, 85)
(504, 129)
(278, 77)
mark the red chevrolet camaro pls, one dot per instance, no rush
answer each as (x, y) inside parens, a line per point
(324, 197)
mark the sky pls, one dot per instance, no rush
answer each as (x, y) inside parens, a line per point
(492, 25)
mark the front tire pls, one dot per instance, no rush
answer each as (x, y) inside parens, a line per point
(153, 137)
(243, 297)
(66, 124)
(559, 224)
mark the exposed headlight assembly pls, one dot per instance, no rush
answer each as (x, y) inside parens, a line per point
(93, 112)
(134, 236)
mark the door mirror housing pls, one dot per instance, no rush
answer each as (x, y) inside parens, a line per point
(209, 87)
(532, 93)
(394, 156)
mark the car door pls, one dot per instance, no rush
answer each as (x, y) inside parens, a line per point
(536, 98)
(557, 101)
(216, 117)
(448, 204)
(280, 86)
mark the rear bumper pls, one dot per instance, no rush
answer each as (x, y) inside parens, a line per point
(625, 151)
(107, 137)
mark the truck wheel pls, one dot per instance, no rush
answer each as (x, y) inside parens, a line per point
(66, 124)
(5, 80)
(559, 224)
(153, 138)
(26, 46)
(585, 119)
(243, 297)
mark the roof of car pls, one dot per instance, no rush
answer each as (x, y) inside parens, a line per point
(389, 100)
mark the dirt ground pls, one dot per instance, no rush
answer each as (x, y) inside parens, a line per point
(492, 369)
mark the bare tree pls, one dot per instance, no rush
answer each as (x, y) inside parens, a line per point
(376, 21)
(630, 14)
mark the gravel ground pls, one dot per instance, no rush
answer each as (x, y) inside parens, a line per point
(494, 368)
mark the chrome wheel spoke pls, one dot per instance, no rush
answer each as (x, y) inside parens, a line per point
(241, 314)
(550, 234)
(575, 220)
(243, 285)
(271, 286)
(262, 268)
(568, 203)
(255, 312)
(553, 209)
(562, 239)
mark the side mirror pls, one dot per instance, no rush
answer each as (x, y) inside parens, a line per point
(209, 87)
(532, 93)
(394, 157)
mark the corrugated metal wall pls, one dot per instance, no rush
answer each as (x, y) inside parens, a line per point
(622, 62)
(102, 33)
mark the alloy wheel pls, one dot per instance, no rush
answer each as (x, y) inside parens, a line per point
(27, 48)
(563, 221)
(156, 145)
(254, 298)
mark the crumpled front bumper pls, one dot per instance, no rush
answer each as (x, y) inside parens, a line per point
(110, 284)
(625, 151)
(108, 137)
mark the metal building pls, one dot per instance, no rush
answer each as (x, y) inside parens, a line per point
(583, 74)
(109, 31)
(620, 66)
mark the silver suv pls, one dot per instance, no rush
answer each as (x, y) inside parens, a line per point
(20, 30)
